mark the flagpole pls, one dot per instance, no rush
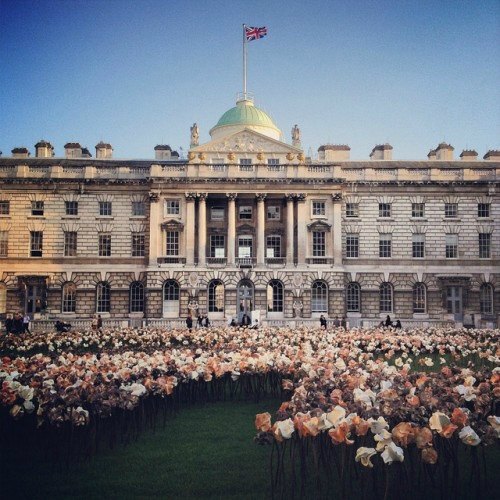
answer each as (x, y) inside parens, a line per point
(244, 63)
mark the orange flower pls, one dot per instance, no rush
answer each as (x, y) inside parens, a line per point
(284, 406)
(361, 426)
(403, 433)
(298, 422)
(263, 422)
(459, 417)
(340, 434)
(413, 400)
(310, 427)
(421, 380)
(429, 455)
(448, 430)
(423, 437)
(446, 371)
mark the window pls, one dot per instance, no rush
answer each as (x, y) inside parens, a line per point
(217, 246)
(172, 207)
(4, 207)
(273, 246)
(273, 212)
(217, 213)
(246, 165)
(68, 298)
(105, 208)
(319, 297)
(218, 165)
(384, 209)
(385, 246)
(419, 298)
(451, 249)
(245, 212)
(486, 299)
(318, 208)
(172, 243)
(418, 246)
(273, 164)
(138, 208)
(36, 243)
(483, 209)
(103, 297)
(418, 210)
(136, 301)
(171, 294)
(138, 244)
(104, 245)
(352, 246)
(484, 245)
(3, 298)
(70, 243)
(353, 297)
(216, 296)
(385, 298)
(451, 210)
(71, 207)
(245, 246)
(319, 243)
(352, 209)
(37, 208)
(275, 296)
(4, 243)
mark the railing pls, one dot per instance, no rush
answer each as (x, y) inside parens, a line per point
(218, 167)
(275, 261)
(246, 168)
(245, 261)
(319, 260)
(276, 168)
(171, 260)
(216, 261)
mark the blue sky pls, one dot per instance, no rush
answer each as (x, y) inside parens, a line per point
(139, 73)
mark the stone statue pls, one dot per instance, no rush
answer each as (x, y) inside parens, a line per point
(296, 135)
(195, 136)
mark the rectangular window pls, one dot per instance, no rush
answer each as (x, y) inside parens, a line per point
(385, 246)
(138, 245)
(4, 243)
(352, 209)
(217, 246)
(418, 210)
(273, 212)
(384, 209)
(418, 246)
(451, 210)
(352, 246)
(318, 208)
(4, 207)
(172, 244)
(245, 246)
(138, 208)
(484, 245)
(71, 207)
(246, 165)
(104, 245)
(245, 212)
(36, 243)
(37, 208)
(483, 209)
(217, 213)
(105, 208)
(172, 207)
(451, 246)
(273, 246)
(70, 243)
(272, 162)
(218, 165)
(319, 244)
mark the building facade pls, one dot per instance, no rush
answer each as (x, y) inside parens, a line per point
(247, 224)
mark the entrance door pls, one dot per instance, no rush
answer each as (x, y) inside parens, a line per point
(35, 299)
(245, 299)
(454, 302)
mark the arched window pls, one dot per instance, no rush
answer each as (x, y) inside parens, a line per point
(103, 297)
(353, 297)
(275, 296)
(419, 298)
(385, 298)
(486, 299)
(136, 297)
(319, 297)
(3, 298)
(68, 298)
(171, 294)
(216, 296)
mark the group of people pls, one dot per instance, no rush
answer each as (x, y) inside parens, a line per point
(17, 323)
(389, 324)
(201, 321)
(337, 323)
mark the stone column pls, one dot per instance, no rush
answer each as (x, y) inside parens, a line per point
(337, 228)
(231, 228)
(289, 229)
(190, 215)
(261, 228)
(202, 229)
(154, 228)
(302, 240)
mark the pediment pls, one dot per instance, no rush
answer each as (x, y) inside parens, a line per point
(246, 141)
(319, 226)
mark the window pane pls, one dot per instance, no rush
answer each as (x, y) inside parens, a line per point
(275, 296)
(103, 297)
(419, 298)
(319, 244)
(172, 246)
(104, 245)
(4, 243)
(353, 297)
(69, 298)
(70, 243)
(105, 208)
(385, 297)
(384, 209)
(319, 297)
(36, 243)
(71, 207)
(138, 245)
(136, 297)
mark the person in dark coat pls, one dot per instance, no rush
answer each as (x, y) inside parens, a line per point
(189, 322)
(99, 322)
(206, 321)
(343, 323)
(200, 321)
(26, 323)
(9, 323)
(398, 324)
(322, 322)
(17, 326)
(388, 321)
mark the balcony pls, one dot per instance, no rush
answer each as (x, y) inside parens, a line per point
(216, 261)
(171, 260)
(245, 262)
(276, 261)
(319, 260)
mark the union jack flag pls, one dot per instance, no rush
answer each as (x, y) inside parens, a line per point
(253, 33)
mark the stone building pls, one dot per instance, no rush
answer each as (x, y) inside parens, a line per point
(248, 224)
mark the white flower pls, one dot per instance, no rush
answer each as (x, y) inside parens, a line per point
(495, 423)
(340, 364)
(383, 439)
(364, 454)
(438, 420)
(392, 453)
(466, 391)
(285, 428)
(468, 436)
(428, 362)
(336, 415)
(377, 426)
(366, 397)
(29, 406)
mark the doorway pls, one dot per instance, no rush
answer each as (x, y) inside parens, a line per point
(454, 301)
(245, 299)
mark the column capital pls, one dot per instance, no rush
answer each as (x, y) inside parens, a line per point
(261, 196)
(231, 196)
(336, 197)
(289, 196)
(202, 196)
(301, 196)
(154, 197)
(190, 196)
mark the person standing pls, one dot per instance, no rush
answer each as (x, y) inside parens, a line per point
(99, 322)
(322, 322)
(336, 322)
(343, 323)
(9, 324)
(26, 323)
(189, 322)
(388, 321)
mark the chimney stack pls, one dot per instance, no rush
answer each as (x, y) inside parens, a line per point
(468, 155)
(492, 155)
(103, 151)
(334, 152)
(444, 152)
(20, 153)
(163, 152)
(44, 149)
(73, 150)
(381, 152)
